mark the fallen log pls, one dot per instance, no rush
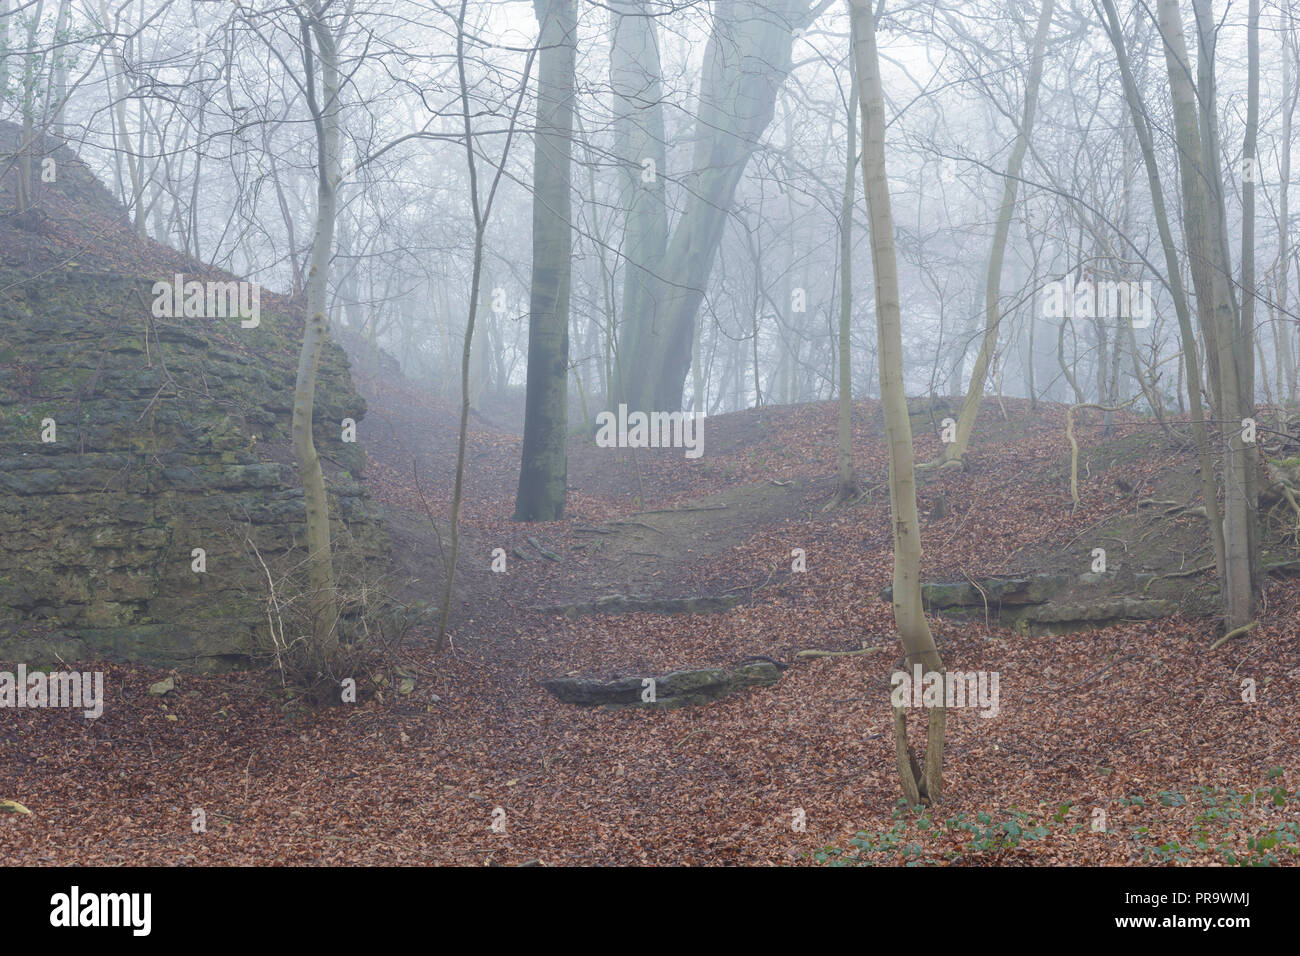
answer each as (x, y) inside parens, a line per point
(624, 604)
(683, 688)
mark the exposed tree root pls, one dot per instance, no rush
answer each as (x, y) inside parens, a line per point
(815, 654)
(1235, 632)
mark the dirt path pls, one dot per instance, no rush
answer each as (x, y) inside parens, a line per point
(724, 526)
(675, 547)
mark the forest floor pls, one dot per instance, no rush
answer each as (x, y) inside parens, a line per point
(1131, 743)
(1127, 744)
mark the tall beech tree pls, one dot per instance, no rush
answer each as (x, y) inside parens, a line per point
(543, 472)
(1174, 281)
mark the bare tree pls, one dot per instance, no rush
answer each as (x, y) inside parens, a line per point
(1229, 348)
(953, 451)
(318, 45)
(846, 487)
(482, 211)
(923, 779)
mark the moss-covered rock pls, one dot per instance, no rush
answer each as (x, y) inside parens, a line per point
(169, 435)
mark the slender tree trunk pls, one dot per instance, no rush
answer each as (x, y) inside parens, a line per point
(1241, 493)
(1288, 326)
(323, 600)
(922, 779)
(1029, 355)
(847, 484)
(954, 451)
(4, 46)
(136, 199)
(285, 213)
(58, 68)
(1246, 333)
(482, 212)
(27, 143)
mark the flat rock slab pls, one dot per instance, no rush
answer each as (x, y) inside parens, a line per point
(1042, 604)
(682, 688)
(1050, 619)
(993, 591)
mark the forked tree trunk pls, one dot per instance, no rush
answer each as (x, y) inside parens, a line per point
(923, 779)
(746, 60)
(635, 80)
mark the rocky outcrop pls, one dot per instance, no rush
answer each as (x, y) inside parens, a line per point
(1044, 603)
(996, 592)
(127, 442)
